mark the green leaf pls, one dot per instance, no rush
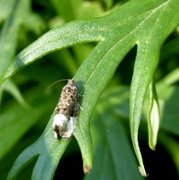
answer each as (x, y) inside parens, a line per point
(9, 33)
(116, 33)
(7, 161)
(112, 150)
(8, 42)
(148, 56)
(172, 147)
(108, 3)
(89, 10)
(170, 107)
(16, 121)
(5, 8)
(8, 39)
(170, 79)
(117, 100)
(168, 101)
(10, 87)
(171, 48)
(72, 6)
(29, 19)
(48, 150)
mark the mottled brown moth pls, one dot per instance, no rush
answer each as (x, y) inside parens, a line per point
(64, 121)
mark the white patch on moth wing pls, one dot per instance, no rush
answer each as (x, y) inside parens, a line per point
(70, 127)
(60, 122)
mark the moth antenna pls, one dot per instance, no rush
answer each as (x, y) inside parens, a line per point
(56, 82)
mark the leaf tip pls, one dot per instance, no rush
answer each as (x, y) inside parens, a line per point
(152, 147)
(142, 171)
(86, 169)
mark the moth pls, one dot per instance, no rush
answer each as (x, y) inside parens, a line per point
(67, 109)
